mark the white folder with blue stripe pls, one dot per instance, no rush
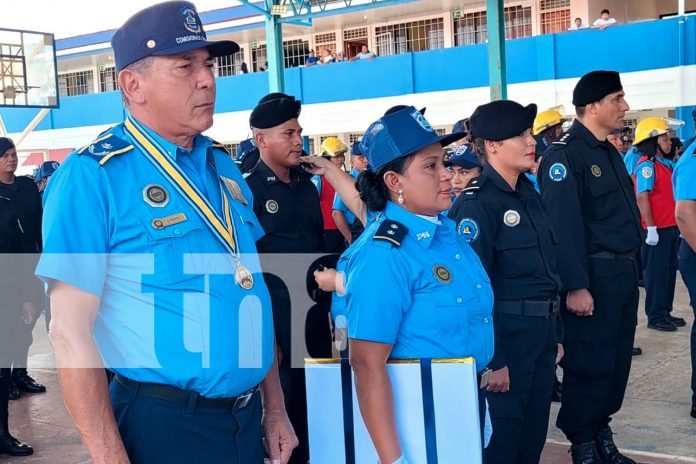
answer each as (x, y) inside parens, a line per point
(436, 407)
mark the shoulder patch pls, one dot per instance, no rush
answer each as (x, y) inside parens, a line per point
(471, 190)
(391, 231)
(564, 139)
(105, 148)
(469, 229)
(558, 172)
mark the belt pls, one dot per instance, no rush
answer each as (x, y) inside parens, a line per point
(186, 397)
(612, 255)
(527, 307)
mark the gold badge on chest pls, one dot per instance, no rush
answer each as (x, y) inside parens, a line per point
(155, 196)
(442, 274)
(244, 277)
(596, 170)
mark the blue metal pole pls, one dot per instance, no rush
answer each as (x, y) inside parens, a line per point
(274, 50)
(497, 72)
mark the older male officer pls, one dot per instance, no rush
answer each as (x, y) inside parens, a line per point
(287, 205)
(189, 337)
(590, 198)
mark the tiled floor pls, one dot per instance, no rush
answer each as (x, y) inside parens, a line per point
(654, 422)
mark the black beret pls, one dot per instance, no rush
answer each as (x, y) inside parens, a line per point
(274, 109)
(5, 144)
(595, 85)
(501, 120)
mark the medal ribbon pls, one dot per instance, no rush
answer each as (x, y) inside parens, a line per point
(222, 228)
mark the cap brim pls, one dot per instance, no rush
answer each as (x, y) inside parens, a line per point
(462, 164)
(216, 49)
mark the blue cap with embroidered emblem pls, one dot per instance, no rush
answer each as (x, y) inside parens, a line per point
(464, 157)
(400, 134)
(47, 169)
(164, 29)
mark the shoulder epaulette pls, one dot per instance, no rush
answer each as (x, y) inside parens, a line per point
(563, 141)
(471, 190)
(105, 148)
(219, 145)
(391, 231)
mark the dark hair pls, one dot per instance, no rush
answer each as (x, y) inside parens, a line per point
(605, 11)
(648, 147)
(580, 111)
(371, 186)
(478, 146)
(579, 19)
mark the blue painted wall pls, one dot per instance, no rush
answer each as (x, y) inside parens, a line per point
(546, 57)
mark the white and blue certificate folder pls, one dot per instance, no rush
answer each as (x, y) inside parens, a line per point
(436, 406)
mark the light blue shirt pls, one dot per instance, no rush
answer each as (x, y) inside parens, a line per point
(339, 204)
(170, 310)
(424, 316)
(631, 159)
(684, 175)
(645, 174)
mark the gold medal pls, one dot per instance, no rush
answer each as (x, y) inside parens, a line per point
(243, 277)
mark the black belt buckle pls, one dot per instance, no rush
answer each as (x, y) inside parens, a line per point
(555, 305)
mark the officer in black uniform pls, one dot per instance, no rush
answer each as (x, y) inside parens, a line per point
(504, 220)
(286, 203)
(20, 240)
(590, 198)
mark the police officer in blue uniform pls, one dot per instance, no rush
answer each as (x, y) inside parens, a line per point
(592, 204)
(440, 299)
(503, 218)
(46, 170)
(348, 223)
(684, 181)
(151, 265)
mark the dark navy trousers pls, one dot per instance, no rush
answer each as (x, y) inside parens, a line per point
(687, 267)
(157, 431)
(660, 274)
(597, 359)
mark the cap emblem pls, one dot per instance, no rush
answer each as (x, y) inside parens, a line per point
(191, 20)
(151, 44)
(420, 119)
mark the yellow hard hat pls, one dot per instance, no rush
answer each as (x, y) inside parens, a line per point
(545, 120)
(648, 128)
(333, 146)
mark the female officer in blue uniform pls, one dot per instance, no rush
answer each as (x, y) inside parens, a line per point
(438, 298)
(502, 216)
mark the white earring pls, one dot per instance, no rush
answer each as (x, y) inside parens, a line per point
(401, 197)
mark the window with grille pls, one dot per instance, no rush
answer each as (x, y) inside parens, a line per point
(232, 148)
(554, 16)
(352, 34)
(108, 80)
(229, 65)
(295, 52)
(354, 137)
(427, 34)
(325, 42)
(76, 83)
(471, 28)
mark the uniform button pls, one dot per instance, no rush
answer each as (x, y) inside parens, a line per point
(459, 300)
(177, 232)
(485, 320)
(457, 256)
(478, 285)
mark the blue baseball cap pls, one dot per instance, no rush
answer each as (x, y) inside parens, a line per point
(400, 134)
(47, 169)
(164, 29)
(355, 149)
(464, 157)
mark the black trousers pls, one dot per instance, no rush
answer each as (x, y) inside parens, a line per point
(520, 417)
(4, 397)
(158, 431)
(687, 267)
(660, 274)
(598, 349)
(334, 241)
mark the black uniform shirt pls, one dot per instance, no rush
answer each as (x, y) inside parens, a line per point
(289, 213)
(20, 217)
(590, 197)
(511, 232)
